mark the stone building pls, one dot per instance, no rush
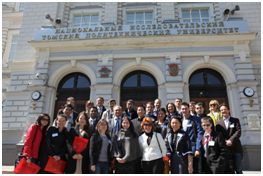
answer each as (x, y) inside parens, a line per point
(122, 50)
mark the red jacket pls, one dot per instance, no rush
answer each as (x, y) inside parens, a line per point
(29, 150)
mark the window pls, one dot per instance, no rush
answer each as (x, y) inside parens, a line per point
(21, 7)
(85, 20)
(139, 18)
(195, 15)
(13, 49)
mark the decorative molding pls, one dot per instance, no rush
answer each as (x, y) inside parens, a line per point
(73, 63)
(138, 60)
(206, 59)
(242, 54)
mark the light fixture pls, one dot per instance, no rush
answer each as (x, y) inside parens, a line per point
(49, 17)
(226, 11)
(236, 8)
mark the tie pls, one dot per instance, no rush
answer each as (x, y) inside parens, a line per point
(117, 125)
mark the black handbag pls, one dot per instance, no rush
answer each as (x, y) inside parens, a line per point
(20, 155)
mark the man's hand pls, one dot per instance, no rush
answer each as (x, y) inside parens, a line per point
(93, 168)
(197, 153)
(228, 143)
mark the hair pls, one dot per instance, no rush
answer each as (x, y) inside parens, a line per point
(207, 119)
(99, 124)
(200, 104)
(150, 103)
(68, 105)
(101, 98)
(179, 99)
(149, 120)
(214, 102)
(88, 103)
(111, 100)
(157, 99)
(87, 129)
(62, 115)
(224, 104)
(70, 98)
(178, 117)
(171, 104)
(130, 100)
(38, 121)
(116, 106)
(185, 104)
(192, 103)
(140, 106)
(131, 124)
(94, 108)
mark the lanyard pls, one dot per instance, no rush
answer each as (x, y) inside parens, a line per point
(205, 141)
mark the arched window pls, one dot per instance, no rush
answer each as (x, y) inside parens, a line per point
(75, 85)
(206, 83)
(140, 86)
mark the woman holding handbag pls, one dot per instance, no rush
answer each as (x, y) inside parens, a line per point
(55, 145)
(100, 147)
(153, 149)
(77, 163)
(126, 148)
(35, 139)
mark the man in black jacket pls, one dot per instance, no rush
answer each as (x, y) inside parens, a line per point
(74, 114)
(100, 107)
(93, 120)
(130, 112)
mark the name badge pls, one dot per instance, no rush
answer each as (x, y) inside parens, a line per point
(231, 126)
(119, 138)
(164, 126)
(179, 134)
(211, 143)
(54, 134)
(189, 125)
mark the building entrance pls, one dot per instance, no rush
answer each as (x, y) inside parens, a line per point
(140, 86)
(206, 85)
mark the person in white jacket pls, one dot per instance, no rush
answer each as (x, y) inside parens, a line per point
(153, 148)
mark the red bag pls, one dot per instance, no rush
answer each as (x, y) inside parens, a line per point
(55, 167)
(24, 168)
(79, 144)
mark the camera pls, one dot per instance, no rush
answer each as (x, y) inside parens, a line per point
(58, 20)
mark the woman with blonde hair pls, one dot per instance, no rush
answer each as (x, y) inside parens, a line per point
(214, 111)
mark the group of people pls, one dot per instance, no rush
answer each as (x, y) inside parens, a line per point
(149, 140)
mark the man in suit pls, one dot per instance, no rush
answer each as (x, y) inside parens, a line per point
(157, 105)
(130, 112)
(192, 126)
(108, 114)
(213, 149)
(115, 121)
(178, 103)
(100, 107)
(73, 114)
(149, 111)
(93, 120)
(231, 130)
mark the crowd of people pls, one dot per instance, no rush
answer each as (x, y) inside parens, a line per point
(150, 139)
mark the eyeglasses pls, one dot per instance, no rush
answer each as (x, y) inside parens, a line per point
(206, 125)
(148, 125)
(212, 104)
(47, 120)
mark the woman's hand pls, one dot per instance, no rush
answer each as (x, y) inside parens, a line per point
(120, 160)
(56, 158)
(75, 156)
(28, 161)
(93, 168)
(190, 168)
(80, 156)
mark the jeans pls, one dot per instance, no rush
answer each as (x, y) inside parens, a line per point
(101, 168)
(237, 162)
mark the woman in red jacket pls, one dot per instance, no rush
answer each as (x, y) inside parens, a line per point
(37, 133)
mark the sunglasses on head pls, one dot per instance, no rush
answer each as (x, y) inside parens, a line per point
(148, 125)
(206, 125)
(212, 104)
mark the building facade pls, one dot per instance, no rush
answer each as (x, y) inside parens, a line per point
(123, 50)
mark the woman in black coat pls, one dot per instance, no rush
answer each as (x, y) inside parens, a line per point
(100, 148)
(126, 148)
(78, 163)
(55, 145)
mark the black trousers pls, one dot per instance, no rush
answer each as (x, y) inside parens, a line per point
(153, 167)
(195, 165)
(206, 167)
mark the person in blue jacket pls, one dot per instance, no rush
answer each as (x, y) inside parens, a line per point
(192, 126)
